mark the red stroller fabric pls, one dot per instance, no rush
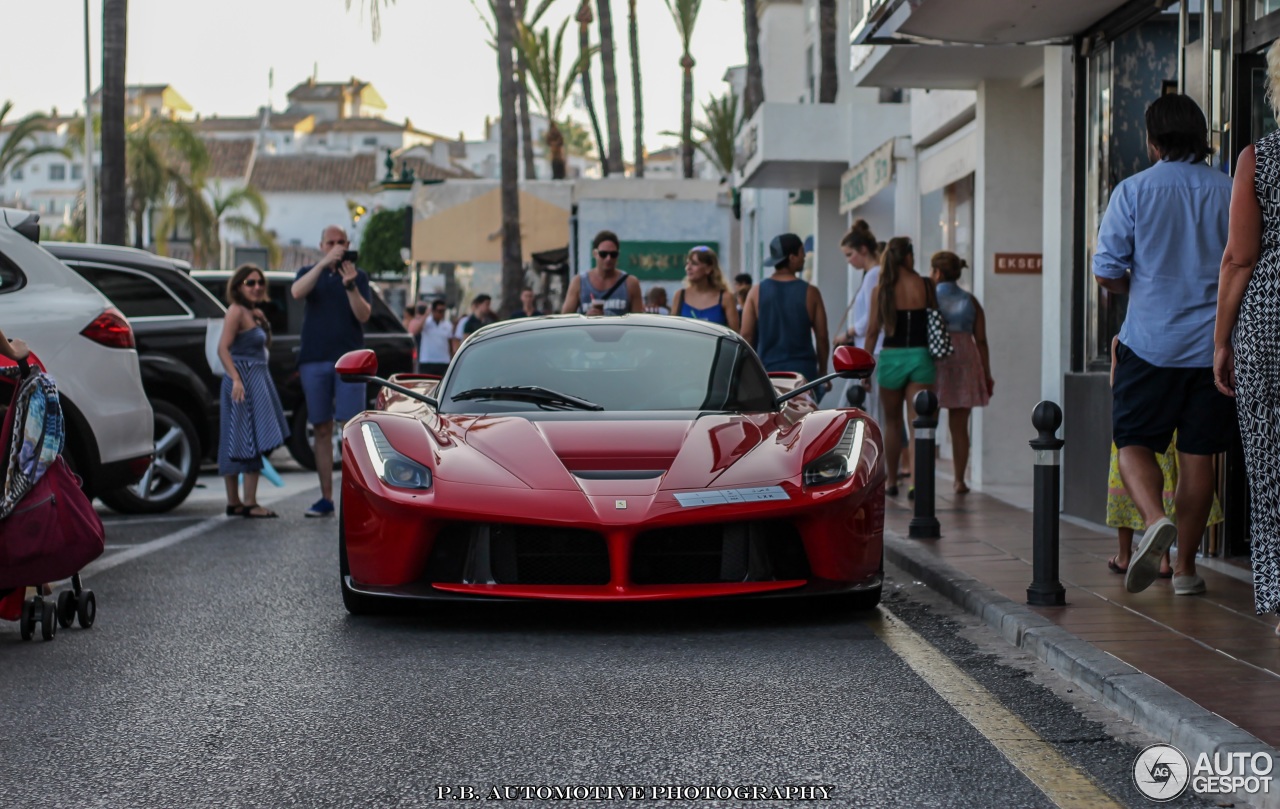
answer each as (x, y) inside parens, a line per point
(53, 531)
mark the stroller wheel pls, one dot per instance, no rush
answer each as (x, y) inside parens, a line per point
(27, 623)
(66, 608)
(86, 609)
(48, 620)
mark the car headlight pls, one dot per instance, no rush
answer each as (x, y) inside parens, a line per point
(393, 468)
(837, 465)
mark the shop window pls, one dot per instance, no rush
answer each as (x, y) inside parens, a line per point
(77, 171)
(57, 172)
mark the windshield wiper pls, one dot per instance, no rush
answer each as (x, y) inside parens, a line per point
(533, 393)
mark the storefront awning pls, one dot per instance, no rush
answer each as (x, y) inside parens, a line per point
(982, 22)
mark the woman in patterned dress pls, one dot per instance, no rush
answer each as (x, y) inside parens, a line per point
(964, 378)
(252, 422)
(1246, 339)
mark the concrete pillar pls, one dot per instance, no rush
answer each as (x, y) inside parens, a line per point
(830, 270)
(1009, 197)
(1059, 170)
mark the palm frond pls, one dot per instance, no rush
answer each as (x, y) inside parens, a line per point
(685, 14)
(375, 15)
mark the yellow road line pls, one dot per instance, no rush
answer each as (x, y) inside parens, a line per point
(1037, 759)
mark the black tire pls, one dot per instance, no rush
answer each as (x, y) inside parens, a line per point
(356, 603)
(87, 609)
(173, 471)
(66, 608)
(300, 441)
(48, 620)
(27, 623)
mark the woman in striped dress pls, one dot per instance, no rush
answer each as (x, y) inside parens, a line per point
(253, 422)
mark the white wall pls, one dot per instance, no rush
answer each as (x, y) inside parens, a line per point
(935, 113)
(1059, 171)
(1008, 201)
(302, 216)
(782, 36)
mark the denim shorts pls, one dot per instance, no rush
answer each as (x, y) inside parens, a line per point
(328, 397)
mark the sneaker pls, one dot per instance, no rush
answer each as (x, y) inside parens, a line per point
(1145, 564)
(1191, 585)
(321, 508)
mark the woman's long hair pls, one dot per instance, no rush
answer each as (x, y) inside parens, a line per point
(235, 295)
(708, 258)
(891, 264)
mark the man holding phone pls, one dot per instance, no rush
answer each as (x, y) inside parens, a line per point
(337, 301)
(604, 289)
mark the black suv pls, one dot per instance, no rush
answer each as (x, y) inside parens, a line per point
(383, 332)
(169, 314)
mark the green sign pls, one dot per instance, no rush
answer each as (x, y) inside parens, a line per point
(868, 178)
(658, 261)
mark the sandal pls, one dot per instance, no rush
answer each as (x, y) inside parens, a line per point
(1115, 568)
(266, 515)
(235, 511)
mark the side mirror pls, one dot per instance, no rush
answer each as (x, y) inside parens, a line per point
(359, 363)
(853, 363)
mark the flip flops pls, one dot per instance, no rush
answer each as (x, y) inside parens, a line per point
(1115, 568)
(267, 515)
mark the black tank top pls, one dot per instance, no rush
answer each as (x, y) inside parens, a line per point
(910, 331)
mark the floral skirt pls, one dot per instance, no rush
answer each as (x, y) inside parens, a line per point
(962, 382)
(1122, 512)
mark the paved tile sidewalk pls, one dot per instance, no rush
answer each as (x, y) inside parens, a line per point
(1211, 649)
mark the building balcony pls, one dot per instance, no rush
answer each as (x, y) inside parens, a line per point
(797, 146)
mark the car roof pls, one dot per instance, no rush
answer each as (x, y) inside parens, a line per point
(272, 275)
(572, 321)
(114, 254)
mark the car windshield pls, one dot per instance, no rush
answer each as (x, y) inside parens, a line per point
(620, 367)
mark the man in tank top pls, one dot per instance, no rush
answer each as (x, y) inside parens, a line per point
(604, 289)
(784, 318)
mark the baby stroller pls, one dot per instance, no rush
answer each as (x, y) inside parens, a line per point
(48, 528)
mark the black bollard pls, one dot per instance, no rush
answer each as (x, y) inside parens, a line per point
(1045, 589)
(855, 395)
(924, 525)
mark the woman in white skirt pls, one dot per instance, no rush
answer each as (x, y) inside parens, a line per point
(964, 378)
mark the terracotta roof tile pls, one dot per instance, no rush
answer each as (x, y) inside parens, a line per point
(228, 158)
(314, 172)
(279, 120)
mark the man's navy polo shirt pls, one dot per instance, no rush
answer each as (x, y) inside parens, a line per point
(329, 327)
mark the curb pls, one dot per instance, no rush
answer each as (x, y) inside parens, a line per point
(1140, 698)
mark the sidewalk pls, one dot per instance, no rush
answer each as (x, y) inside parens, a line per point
(1211, 657)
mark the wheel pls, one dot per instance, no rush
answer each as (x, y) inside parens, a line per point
(173, 471)
(87, 609)
(48, 620)
(66, 608)
(302, 438)
(27, 623)
(356, 603)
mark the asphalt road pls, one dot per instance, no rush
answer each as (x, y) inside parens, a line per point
(223, 671)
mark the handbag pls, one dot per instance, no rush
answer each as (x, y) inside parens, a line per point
(212, 335)
(939, 337)
(52, 534)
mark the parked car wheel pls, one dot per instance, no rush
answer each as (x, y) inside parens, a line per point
(302, 438)
(173, 470)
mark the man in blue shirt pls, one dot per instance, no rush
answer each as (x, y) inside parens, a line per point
(337, 297)
(1161, 243)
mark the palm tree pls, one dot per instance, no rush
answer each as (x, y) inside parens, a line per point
(166, 169)
(610, 87)
(719, 132)
(827, 80)
(753, 94)
(228, 213)
(584, 45)
(685, 13)
(577, 139)
(512, 254)
(543, 59)
(20, 145)
(634, 36)
(112, 187)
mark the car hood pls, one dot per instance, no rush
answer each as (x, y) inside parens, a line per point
(638, 456)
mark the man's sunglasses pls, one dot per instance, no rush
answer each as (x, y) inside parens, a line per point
(607, 253)
(254, 282)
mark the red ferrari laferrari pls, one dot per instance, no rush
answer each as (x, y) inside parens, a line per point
(634, 458)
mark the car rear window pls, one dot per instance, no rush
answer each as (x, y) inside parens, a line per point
(11, 278)
(135, 294)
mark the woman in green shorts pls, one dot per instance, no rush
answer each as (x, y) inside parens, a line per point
(899, 308)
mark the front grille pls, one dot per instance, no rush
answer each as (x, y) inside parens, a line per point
(719, 553)
(495, 553)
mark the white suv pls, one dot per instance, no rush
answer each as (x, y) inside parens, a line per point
(87, 347)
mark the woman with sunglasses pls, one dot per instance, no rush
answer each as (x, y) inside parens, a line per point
(705, 296)
(252, 422)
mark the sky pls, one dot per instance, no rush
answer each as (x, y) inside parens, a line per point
(432, 64)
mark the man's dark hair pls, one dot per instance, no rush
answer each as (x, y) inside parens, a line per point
(479, 299)
(605, 236)
(438, 302)
(743, 278)
(1177, 127)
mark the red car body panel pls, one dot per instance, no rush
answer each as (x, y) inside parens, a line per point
(612, 478)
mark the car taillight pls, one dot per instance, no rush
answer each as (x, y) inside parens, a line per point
(110, 329)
